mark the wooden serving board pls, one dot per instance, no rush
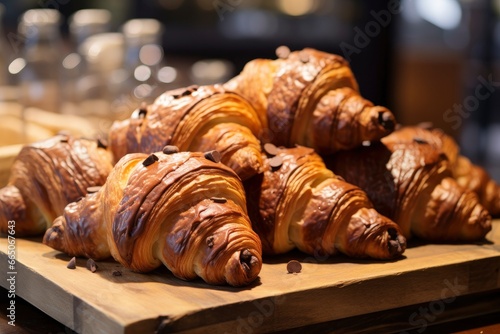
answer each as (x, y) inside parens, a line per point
(325, 290)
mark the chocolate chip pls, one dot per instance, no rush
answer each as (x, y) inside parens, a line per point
(72, 263)
(276, 162)
(91, 265)
(283, 52)
(116, 273)
(93, 189)
(101, 143)
(270, 149)
(213, 156)
(150, 160)
(210, 241)
(170, 149)
(420, 140)
(64, 140)
(219, 199)
(293, 266)
(303, 56)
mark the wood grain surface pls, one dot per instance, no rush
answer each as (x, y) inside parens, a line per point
(326, 290)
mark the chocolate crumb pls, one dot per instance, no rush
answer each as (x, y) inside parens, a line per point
(116, 273)
(93, 189)
(270, 149)
(210, 241)
(72, 263)
(213, 156)
(101, 143)
(283, 52)
(170, 149)
(293, 266)
(91, 265)
(219, 199)
(150, 160)
(276, 162)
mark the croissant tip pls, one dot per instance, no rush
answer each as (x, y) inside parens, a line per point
(53, 235)
(245, 270)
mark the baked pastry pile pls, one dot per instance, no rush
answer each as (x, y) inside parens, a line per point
(207, 179)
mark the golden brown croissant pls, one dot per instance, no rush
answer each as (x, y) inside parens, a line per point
(48, 175)
(179, 209)
(412, 183)
(298, 202)
(311, 98)
(466, 173)
(194, 119)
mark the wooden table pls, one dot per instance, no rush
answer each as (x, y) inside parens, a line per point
(433, 284)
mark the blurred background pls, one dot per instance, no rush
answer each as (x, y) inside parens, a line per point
(427, 60)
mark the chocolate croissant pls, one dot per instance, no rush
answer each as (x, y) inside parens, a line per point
(298, 202)
(467, 174)
(46, 176)
(412, 183)
(311, 98)
(194, 119)
(181, 209)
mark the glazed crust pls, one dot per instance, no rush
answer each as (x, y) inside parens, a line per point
(302, 204)
(194, 119)
(311, 92)
(181, 210)
(48, 175)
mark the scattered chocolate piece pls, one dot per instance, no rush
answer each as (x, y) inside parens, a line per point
(91, 265)
(72, 263)
(218, 199)
(150, 160)
(270, 149)
(64, 140)
(170, 149)
(213, 156)
(304, 57)
(210, 241)
(116, 273)
(101, 143)
(420, 140)
(293, 266)
(276, 162)
(283, 52)
(93, 189)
